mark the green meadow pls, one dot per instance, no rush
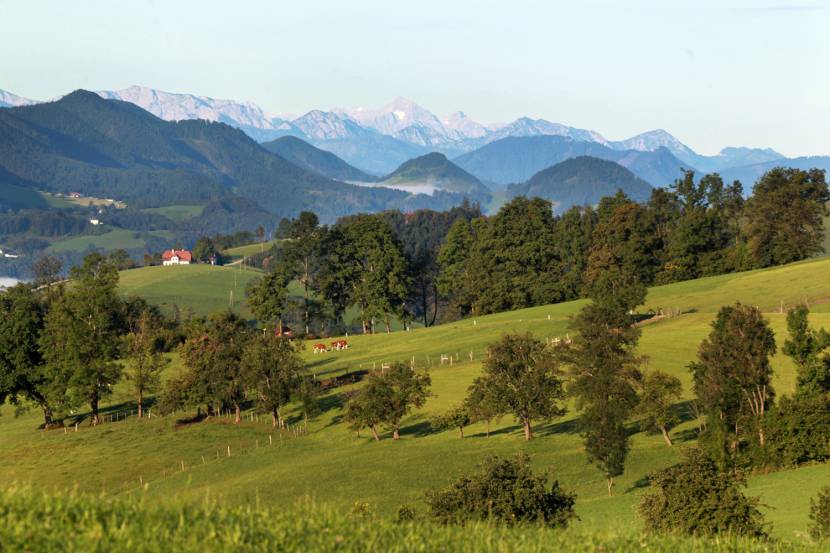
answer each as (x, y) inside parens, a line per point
(114, 239)
(166, 461)
(177, 212)
(199, 288)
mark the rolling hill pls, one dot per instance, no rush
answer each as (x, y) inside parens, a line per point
(435, 171)
(302, 154)
(516, 159)
(173, 462)
(582, 180)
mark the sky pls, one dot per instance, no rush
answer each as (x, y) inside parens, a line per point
(713, 73)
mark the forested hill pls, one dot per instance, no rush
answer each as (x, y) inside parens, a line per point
(436, 170)
(112, 149)
(517, 158)
(582, 180)
(302, 154)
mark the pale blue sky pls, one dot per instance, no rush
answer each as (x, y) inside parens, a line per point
(714, 73)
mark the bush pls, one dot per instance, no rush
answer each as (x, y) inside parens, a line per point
(696, 498)
(820, 514)
(797, 431)
(405, 514)
(506, 491)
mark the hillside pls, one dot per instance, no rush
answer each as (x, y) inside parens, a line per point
(582, 180)
(302, 154)
(436, 171)
(200, 289)
(516, 159)
(181, 462)
(109, 148)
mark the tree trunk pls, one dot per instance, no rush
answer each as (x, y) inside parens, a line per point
(93, 405)
(461, 430)
(274, 418)
(610, 481)
(666, 437)
(305, 295)
(365, 326)
(47, 415)
(395, 434)
(527, 428)
(424, 305)
(237, 413)
(375, 433)
(434, 305)
(140, 405)
(388, 324)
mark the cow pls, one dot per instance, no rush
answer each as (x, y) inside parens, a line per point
(340, 344)
(320, 348)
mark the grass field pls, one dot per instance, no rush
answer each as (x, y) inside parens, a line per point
(244, 251)
(78, 523)
(111, 240)
(177, 212)
(189, 463)
(200, 288)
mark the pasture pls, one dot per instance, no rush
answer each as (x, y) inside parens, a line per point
(167, 460)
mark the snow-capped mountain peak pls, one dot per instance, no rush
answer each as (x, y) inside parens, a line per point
(174, 107)
(9, 100)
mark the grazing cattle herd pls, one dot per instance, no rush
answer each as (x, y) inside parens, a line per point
(337, 345)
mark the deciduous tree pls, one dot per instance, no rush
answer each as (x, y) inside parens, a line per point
(522, 376)
(81, 339)
(733, 376)
(272, 368)
(658, 392)
(144, 361)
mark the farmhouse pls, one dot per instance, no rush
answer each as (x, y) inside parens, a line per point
(176, 257)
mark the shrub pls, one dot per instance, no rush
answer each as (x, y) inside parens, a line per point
(405, 514)
(797, 431)
(696, 498)
(506, 491)
(820, 514)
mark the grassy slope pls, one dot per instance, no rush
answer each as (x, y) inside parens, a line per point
(112, 240)
(177, 212)
(250, 249)
(335, 467)
(201, 288)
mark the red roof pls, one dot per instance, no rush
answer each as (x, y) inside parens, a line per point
(183, 255)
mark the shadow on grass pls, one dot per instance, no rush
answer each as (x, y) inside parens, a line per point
(640, 484)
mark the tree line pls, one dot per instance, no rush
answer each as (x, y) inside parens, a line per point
(64, 346)
(437, 266)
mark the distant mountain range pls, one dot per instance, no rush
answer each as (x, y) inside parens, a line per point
(581, 180)
(378, 140)
(114, 149)
(517, 158)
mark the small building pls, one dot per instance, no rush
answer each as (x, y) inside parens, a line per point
(176, 257)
